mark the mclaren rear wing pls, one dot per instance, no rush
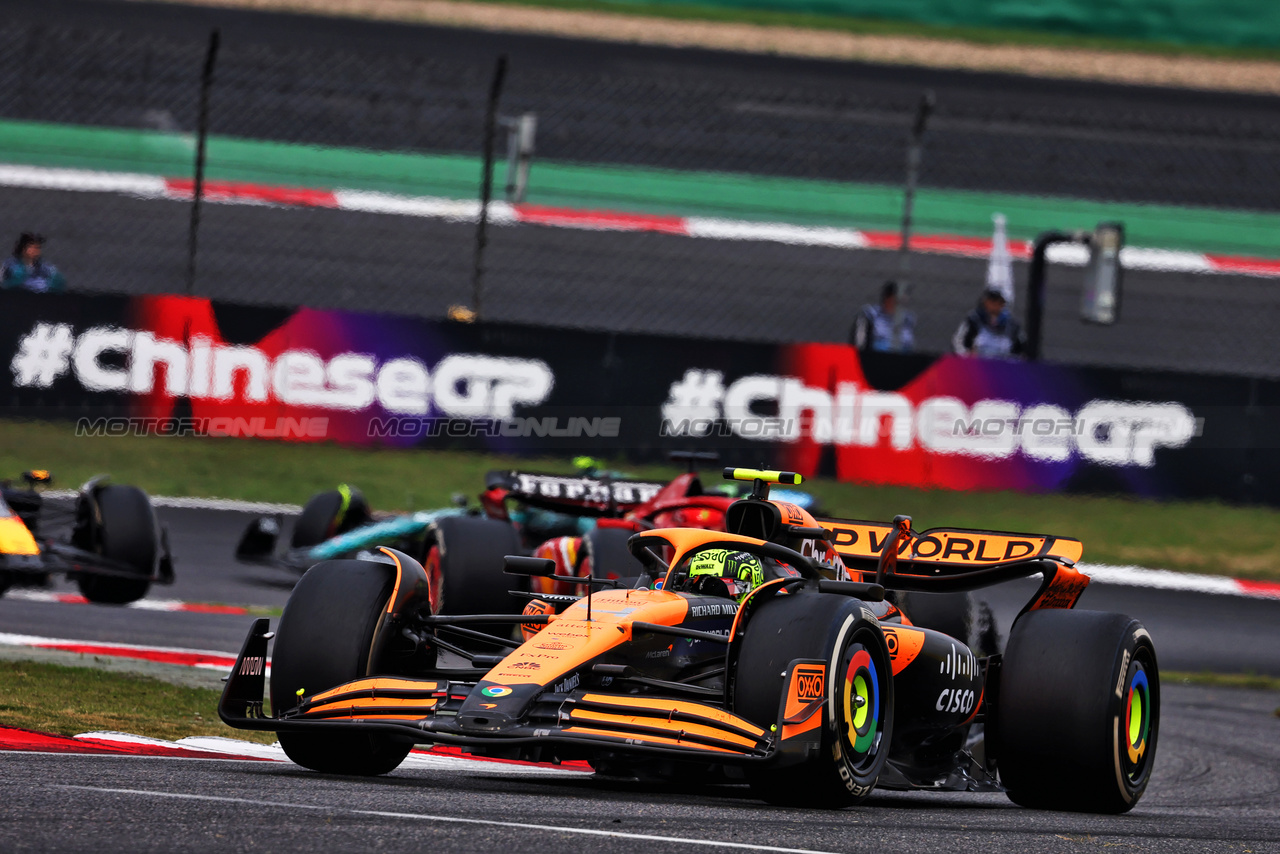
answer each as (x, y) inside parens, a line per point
(954, 559)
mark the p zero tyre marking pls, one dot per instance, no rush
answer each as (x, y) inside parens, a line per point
(834, 658)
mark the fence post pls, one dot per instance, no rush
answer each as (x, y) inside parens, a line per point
(486, 182)
(1035, 287)
(202, 134)
(914, 150)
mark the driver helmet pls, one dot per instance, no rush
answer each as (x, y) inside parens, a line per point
(740, 571)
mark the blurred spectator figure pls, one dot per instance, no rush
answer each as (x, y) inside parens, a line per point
(989, 331)
(881, 327)
(27, 269)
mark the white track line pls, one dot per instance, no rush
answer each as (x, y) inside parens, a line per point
(1164, 579)
(83, 180)
(502, 213)
(113, 737)
(166, 605)
(185, 502)
(417, 759)
(775, 232)
(444, 819)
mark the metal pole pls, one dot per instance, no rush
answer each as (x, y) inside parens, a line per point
(202, 134)
(1035, 288)
(915, 148)
(486, 182)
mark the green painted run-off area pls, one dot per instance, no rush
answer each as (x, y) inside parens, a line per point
(1220, 23)
(634, 189)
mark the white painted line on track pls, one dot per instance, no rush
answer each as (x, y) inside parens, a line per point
(185, 502)
(503, 213)
(167, 605)
(1164, 579)
(113, 737)
(443, 819)
(776, 232)
(455, 210)
(236, 746)
(45, 178)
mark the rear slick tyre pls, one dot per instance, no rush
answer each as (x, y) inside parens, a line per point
(1078, 714)
(465, 567)
(328, 514)
(323, 640)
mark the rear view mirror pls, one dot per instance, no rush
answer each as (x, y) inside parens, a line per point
(1100, 299)
(543, 567)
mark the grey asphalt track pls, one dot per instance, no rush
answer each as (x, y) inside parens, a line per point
(1215, 788)
(1216, 785)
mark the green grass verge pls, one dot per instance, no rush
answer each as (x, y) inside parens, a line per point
(887, 27)
(1198, 536)
(70, 700)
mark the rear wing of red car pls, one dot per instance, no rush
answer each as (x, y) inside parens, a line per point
(584, 495)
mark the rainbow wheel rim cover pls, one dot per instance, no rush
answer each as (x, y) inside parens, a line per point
(1137, 715)
(862, 719)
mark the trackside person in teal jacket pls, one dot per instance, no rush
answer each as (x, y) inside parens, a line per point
(27, 269)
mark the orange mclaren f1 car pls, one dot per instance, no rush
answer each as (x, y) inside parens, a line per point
(797, 677)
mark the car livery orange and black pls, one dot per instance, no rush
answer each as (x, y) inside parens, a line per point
(812, 686)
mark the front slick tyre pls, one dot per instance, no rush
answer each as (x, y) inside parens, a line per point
(1079, 711)
(855, 741)
(323, 640)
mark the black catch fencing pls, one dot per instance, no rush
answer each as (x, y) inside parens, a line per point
(633, 190)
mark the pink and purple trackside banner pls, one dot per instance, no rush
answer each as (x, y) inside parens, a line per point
(177, 366)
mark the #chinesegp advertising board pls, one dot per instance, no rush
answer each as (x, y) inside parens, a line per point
(178, 365)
